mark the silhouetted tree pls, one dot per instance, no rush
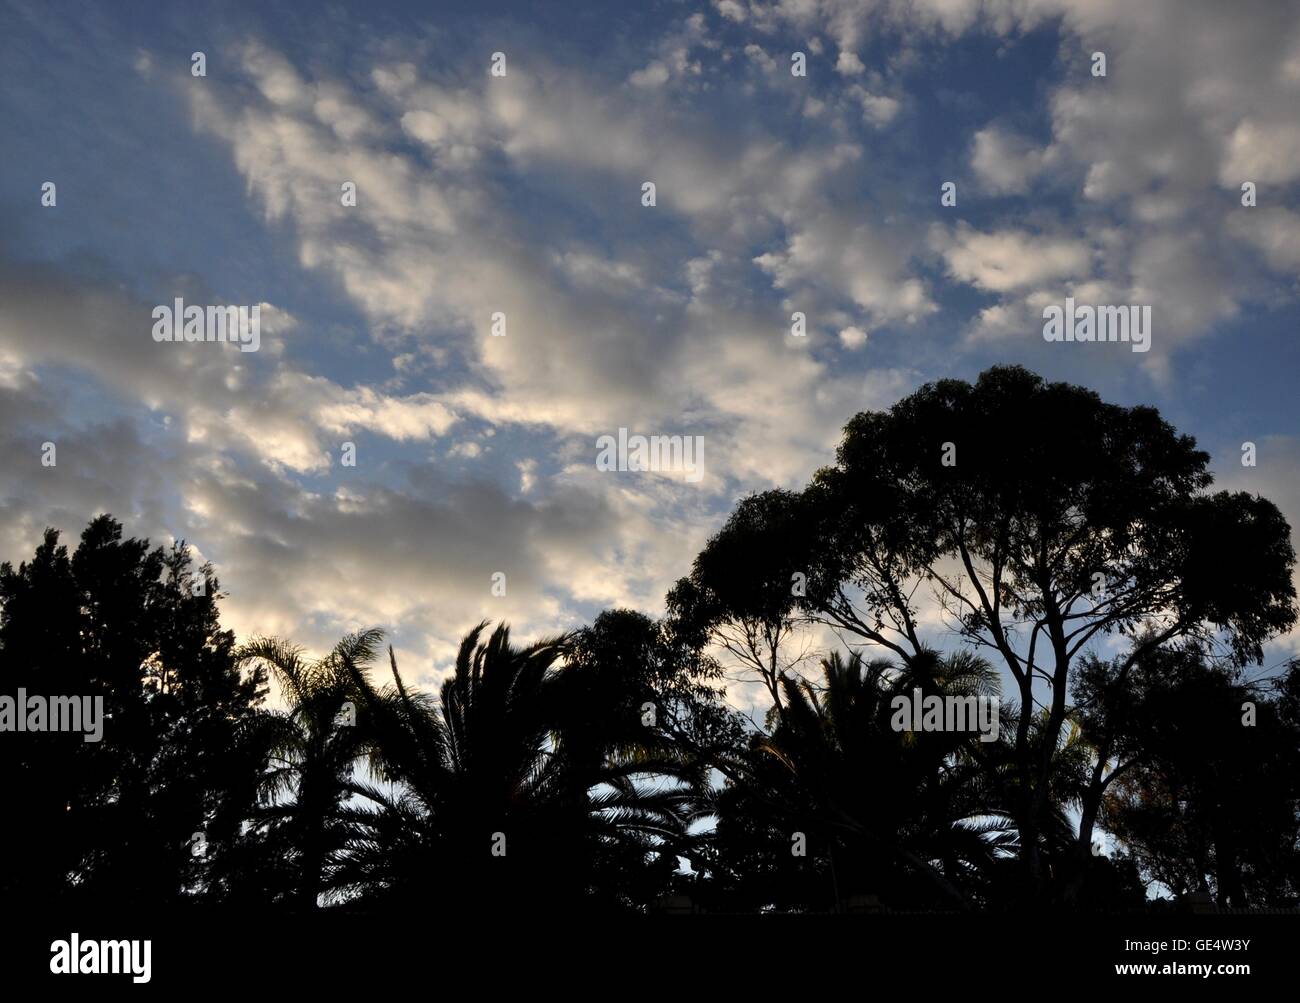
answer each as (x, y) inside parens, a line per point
(634, 685)
(898, 814)
(743, 590)
(310, 751)
(115, 820)
(490, 800)
(1042, 519)
(1208, 791)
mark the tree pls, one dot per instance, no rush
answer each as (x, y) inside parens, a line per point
(1040, 519)
(122, 623)
(310, 753)
(640, 687)
(495, 798)
(52, 776)
(898, 814)
(1207, 797)
(744, 587)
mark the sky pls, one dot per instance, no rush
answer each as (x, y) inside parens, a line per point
(522, 194)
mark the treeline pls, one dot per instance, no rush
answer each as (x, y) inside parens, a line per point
(1067, 555)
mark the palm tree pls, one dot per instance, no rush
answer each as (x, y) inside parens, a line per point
(483, 797)
(897, 814)
(1003, 786)
(310, 751)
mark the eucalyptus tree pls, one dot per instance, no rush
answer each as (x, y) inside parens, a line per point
(1036, 519)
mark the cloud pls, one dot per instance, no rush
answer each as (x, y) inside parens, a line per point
(1008, 260)
(853, 338)
(520, 196)
(1005, 162)
(829, 255)
(1266, 153)
(1273, 230)
(878, 109)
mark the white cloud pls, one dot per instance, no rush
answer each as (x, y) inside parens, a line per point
(1004, 161)
(1008, 260)
(853, 338)
(878, 109)
(520, 195)
(1263, 152)
(849, 64)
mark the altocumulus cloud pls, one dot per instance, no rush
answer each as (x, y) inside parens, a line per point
(520, 196)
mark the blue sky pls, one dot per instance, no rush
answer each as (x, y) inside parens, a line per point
(521, 194)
